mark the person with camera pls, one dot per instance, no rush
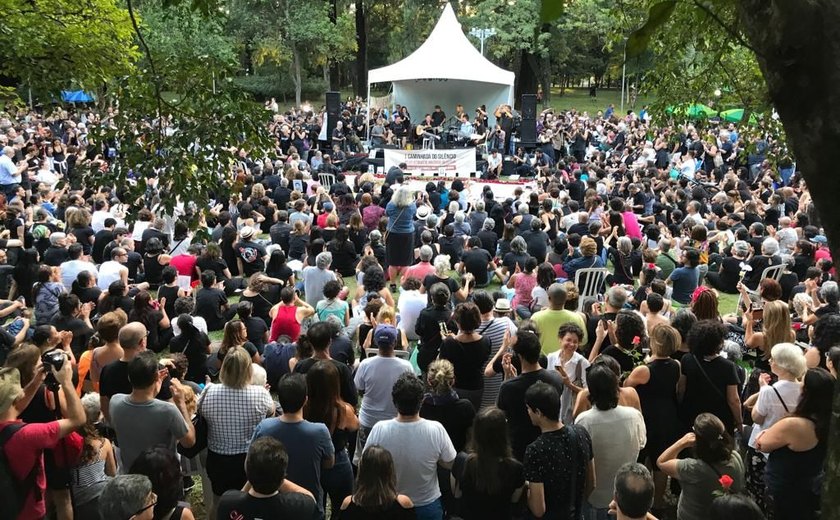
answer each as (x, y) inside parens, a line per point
(30, 424)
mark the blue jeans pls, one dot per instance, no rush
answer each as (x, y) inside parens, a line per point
(431, 511)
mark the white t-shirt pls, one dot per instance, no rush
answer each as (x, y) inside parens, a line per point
(409, 306)
(577, 364)
(688, 167)
(109, 272)
(617, 436)
(71, 269)
(375, 377)
(769, 405)
(416, 447)
(494, 160)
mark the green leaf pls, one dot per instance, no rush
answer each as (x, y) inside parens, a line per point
(551, 10)
(638, 41)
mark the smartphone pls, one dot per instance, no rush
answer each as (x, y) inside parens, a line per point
(443, 330)
(757, 313)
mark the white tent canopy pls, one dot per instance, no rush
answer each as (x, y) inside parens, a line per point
(446, 70)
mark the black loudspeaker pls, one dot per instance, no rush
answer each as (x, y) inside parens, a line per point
(528, 127)
(333, 111)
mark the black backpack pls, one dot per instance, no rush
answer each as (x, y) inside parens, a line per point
(13, 492)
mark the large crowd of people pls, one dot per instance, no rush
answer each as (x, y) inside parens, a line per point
(357, 347)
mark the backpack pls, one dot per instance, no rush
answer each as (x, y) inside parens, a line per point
(13, 492)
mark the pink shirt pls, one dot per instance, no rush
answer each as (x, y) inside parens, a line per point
(419, 271)
(24, 451)
(631, 225)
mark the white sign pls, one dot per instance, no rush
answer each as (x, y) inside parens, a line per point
(430, 162)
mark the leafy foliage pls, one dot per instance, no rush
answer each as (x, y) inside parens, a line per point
(53, 44)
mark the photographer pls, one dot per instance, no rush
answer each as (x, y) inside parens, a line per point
(30, 423)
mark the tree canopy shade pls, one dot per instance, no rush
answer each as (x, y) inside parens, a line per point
(48, 44)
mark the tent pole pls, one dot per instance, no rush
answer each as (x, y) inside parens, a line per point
(367, 122)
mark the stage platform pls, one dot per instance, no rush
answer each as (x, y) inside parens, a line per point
(502, 188)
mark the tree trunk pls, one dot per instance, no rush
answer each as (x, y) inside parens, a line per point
(545, 80)
(333, 66)
(296, 74)
(526, 80)
(361, 51)
(799, 56)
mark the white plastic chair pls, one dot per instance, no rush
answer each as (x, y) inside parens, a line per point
(592, 279)
(774, 271)
(326, 180)
(402, 354)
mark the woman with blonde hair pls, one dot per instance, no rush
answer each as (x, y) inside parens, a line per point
(769, 405)
(585, 258)
(656, 383)
(399, 236)
(775, 328)
(443, 404)
(232, 409)
(108, 347)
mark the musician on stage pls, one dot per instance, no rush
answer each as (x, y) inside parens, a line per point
(438, 117)
(377, 134)
(401, 127)
(466, 130)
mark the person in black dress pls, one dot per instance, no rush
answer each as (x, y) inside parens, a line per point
(656, 383)
(468, 351)
(727, 278)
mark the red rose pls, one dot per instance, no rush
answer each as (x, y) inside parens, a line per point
(636, 340)
(726, 482)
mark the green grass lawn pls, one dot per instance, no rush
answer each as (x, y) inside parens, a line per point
(579, 99)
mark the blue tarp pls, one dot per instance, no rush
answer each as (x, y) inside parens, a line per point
(76, 96)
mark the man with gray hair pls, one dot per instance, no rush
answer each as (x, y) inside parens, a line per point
(550, 320)
(315, 277)
(666, 262)
(462, 228)
(128, 496)
(786, 236)
(477, 216)
(489, 238)
(424, 267)
(10, 173)
(56, 254)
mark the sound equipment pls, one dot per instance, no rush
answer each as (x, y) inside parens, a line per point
(508, 168)
(333, 103)
(528, 127)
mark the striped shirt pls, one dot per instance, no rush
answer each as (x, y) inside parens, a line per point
(494, 329)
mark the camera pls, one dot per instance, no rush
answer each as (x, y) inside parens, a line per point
(53, 359)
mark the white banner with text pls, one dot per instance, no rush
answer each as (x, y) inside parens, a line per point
(444, 163)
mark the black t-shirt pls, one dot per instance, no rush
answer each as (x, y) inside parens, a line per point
(217, 265)
(88, 294)
(512, 401)
(5, 279)
(475, 262)
(55, 256)
(242, 506)
(455, 415)
(468, 360)
(83, 236)
(452, 246)
(135, 260)
(256, 328)
(100, 240)
(208, 305)
(428, 329)
(349, 394)
(114, 380)
(707, 392)
(432, 279)
(477, 505)
(195, 348)
(624, 359)
(341, 349)
(537, 242)
(489, 241)
(81, 332)
(511, 260)
(251, 254)
(559, 460)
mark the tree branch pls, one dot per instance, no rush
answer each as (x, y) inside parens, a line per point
(155, 79)
(726, 27)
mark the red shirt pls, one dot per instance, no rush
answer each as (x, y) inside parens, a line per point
(285, 323)
(185, 264)
(23, 451)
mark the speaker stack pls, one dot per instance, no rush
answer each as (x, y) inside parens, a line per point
(333, 112)
(528, 126)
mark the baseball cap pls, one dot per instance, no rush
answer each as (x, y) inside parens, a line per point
(820, 239)
(247, 232)
(328, 206)
(9, 387)
(385, 336)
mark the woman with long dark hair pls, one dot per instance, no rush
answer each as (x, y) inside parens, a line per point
(153, 315)
(229, 254)
(375, 496)
(25, 275)
(236, 335)
(164, 471)
(324, 405)
(797, 445)
(116, 297)
(343, 252)
(487, 478)
(195, 345)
